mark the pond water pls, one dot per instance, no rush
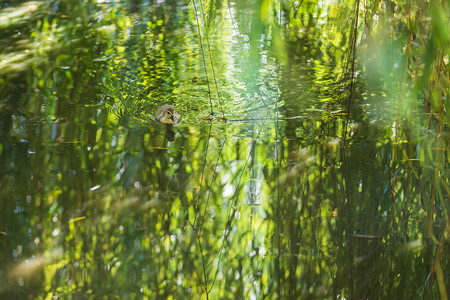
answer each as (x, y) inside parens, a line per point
(316, 187)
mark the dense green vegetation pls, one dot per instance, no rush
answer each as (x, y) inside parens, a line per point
(329, 180)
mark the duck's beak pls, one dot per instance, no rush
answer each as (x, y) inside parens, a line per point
(174, 120)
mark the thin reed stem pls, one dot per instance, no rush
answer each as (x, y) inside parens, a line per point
(203, 56)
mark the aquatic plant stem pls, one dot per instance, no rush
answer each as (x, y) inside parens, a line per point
(237, 34)
(203, 57)
(278, 225)
(208, 44)
(232, 210)
(196, 205)
(353, 81)
(436, 268)
(210, 185)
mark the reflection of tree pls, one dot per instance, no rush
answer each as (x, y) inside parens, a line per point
(326, 203)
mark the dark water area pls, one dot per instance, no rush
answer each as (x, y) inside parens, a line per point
(319, 185)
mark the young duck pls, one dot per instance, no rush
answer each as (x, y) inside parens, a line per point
(167, 114)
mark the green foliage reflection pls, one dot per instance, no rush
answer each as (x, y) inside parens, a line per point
(330, 179)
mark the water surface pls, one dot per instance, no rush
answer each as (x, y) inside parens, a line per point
(299, 195)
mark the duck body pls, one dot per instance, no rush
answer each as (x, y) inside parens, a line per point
(167, 114)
